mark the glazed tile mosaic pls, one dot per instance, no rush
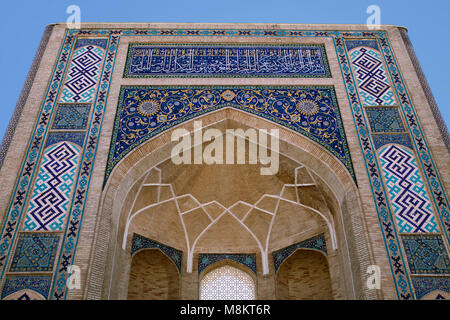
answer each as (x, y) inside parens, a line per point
(146, 60)
(207, 259)
(373, 83)
(83, 75)
(145, 111)
(39, 284)
(139, 242)
(425, 285)
(376, 47)
(86, 65)
(346, 51)
(384, 119)
(71, 116)
(315, 243)
(73, 137)
(53, 187)
(426, 254)
(84, 42)
(35, 252)
(380, 140)
(409, 198)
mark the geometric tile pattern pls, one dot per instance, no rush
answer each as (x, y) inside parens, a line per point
(425, 285)
(82, 184)
(59, 136)
(139, 242)
(99, 42)
(39, 284)
(426, 254)
(83, 75)
(386, 218)
(315, 243)
(147, 60)
(71, 116)
(29, 170)
(373, 85)
(380, 140)
(351, 44)
(207, 259)
(145, 111)
(385, 119)
(409, 198)
(51, 196)
(35, 252)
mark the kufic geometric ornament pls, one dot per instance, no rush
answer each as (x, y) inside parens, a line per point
(51, 195)
(83, 75)
(409, 198)
(373, 84)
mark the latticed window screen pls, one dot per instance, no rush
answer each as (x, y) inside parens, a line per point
(227, 283)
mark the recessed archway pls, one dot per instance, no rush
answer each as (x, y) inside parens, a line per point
(304, 276)
(227, 282)
(153, 276)
(330, 186)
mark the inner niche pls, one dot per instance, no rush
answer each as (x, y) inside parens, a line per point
(153, 277)
(304, 276)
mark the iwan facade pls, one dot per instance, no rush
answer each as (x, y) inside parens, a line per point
(92, 205)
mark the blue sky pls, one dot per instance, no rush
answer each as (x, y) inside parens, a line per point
(23, 22)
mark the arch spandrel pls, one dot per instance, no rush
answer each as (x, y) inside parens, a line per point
(146, 111)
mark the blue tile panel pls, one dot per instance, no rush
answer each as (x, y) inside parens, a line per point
(385, 119)
(425, 285)
(82, 42)
(39, 283)
(426, 254)
(190, 60)
(56, 137)
(380, 140)
(140, 242)
(207, 259)
(145, 111)
(35, 252)
(71, 116)
(316, 243)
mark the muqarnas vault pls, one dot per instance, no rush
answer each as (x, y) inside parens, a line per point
(89, 189)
